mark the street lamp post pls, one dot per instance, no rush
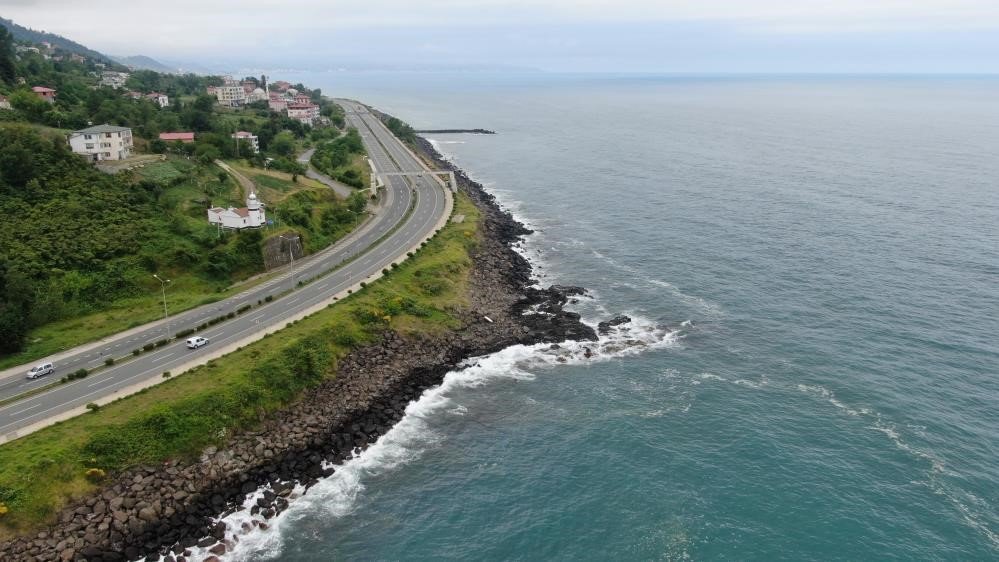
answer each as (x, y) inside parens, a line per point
(163, 289)
(291, 253)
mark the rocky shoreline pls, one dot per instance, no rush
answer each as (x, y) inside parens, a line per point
(165, 511)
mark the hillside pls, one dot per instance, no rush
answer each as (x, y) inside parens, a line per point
(78, 247)
(22, 33)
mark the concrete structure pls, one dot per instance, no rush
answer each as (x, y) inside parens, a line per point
(160, 99)
(230, 93)
(103, 142)
(231, 96)
(250, 216)
(114, 79)
(47, 94)
(306, 113)
(182, 137)
(249, 138)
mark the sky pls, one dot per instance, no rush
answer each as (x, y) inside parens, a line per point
(671, 36)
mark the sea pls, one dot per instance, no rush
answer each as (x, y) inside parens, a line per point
(811, 265)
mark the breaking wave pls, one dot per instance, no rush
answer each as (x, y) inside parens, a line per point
(254, 538)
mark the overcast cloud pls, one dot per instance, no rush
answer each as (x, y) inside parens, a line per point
(629, 35)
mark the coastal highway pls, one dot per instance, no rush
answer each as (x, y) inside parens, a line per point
(415, 207)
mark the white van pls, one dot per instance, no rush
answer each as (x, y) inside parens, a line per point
(196, 342)
(40, 370)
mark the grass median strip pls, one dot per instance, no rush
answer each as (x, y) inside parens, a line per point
(177, 419)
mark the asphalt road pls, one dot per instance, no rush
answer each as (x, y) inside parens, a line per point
(384, 240)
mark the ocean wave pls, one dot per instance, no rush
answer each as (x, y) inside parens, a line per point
(339, 494)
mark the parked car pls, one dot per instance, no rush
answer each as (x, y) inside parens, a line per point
(40, 370)
(196, 342)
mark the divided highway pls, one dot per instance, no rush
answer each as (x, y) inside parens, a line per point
(414, 209)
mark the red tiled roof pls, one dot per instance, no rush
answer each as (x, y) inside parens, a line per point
(242, 211)
(177, 136)
(41, 89)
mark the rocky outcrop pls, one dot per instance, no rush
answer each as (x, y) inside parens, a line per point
(169, 509)
(278, 251)
(605, 326)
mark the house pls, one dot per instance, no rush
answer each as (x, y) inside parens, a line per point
(47, 94)
(302, 98)
(305, 113)
(103, 142)
(114, 79)
(250, 216)
(132, 94)
(76, 58)
(5, 103)
(249, 138)
(282, 86)
(182, 137)
(160, 99)
(248, 86)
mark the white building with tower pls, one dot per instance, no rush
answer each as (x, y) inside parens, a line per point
(250, 216)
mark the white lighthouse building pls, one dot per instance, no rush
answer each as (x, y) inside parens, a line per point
(250, 216)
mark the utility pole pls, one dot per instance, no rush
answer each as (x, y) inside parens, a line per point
(291, 253)
(163, 289)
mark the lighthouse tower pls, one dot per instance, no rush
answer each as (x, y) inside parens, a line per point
(255, 211)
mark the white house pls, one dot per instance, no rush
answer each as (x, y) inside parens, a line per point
(4, 103)
(250, 216)
(103, 142)
(161, 99)
(249, 138)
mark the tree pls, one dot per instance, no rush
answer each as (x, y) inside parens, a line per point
(283, 144)
(8, 72)
(33, 107)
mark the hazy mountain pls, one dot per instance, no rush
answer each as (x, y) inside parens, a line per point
(144, 63)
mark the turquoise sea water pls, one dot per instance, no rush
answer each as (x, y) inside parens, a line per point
(823, 254)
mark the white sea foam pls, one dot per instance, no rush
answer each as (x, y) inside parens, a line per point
(339, 494)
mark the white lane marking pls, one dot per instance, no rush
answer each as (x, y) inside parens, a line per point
(158, 359)
(26, 409)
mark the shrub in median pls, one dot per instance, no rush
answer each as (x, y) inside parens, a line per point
(148, 347)
(109, 361)
(268, 298)
(136, 351)
(244, 308)
(184, 333)
(161, 343)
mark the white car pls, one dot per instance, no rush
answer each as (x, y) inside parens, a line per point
(196, 342)
(40, 370)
